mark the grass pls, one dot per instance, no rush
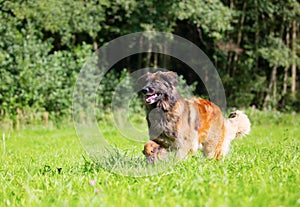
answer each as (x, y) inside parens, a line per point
(49, 167)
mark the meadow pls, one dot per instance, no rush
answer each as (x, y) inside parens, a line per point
(49, 167)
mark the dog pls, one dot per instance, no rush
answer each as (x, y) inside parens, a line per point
(185, 125)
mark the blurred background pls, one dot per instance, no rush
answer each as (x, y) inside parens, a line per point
(255, 46)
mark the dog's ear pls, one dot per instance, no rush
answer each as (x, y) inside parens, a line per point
(171, 77)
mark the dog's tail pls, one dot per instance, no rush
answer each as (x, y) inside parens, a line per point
(236, 125)
(240, 122)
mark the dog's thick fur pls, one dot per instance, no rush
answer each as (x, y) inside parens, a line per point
(185, 125)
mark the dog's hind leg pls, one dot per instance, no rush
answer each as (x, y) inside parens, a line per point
(213, 145)
(220, 146)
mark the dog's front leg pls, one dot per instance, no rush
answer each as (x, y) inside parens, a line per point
(188, 147)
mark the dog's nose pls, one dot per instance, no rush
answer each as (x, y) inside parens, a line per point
(145, 90)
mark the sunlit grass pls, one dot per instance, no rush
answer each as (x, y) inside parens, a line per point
(43, 167)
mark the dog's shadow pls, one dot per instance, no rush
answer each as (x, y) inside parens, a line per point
(130, 163)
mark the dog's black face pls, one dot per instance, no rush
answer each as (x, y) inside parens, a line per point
(159, 88)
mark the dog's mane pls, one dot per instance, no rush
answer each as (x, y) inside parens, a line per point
(169, 100)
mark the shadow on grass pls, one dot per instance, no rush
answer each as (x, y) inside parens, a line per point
(127, 163)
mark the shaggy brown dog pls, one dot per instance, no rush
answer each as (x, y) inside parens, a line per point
(185, 125)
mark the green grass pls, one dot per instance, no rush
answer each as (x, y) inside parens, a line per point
(43, 167)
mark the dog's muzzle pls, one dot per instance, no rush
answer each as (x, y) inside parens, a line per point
(146, 90)
(151, 97)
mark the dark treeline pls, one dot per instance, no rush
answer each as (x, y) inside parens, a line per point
(255, 45)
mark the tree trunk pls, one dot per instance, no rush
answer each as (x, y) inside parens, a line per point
(273, 81)
(155, 61)
(239, 37)
(148, 57)
(164, 58)
(95, 45)
(286, 70)
(229, 63)
(272, 84)
(230, 55)
(294, 66)
(140, 58)
(256, 25)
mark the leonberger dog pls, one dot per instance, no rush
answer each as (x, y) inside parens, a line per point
(185, 126)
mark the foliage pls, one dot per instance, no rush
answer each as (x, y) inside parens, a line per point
(43, 45)
(211, 16)
(116, 90)
(276, 52)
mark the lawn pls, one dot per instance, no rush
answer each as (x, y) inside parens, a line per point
(49, 167)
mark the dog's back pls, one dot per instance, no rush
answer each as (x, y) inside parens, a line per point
(211, 129)
(215, 133)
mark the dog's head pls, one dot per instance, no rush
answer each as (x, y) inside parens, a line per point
(159, 89)
(154, 152)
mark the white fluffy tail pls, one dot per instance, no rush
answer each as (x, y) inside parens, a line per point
(236, 125)
(240, 122)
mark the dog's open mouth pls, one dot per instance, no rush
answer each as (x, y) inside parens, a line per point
(150, 99)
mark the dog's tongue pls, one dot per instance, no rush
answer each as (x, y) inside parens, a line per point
(151, 98)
